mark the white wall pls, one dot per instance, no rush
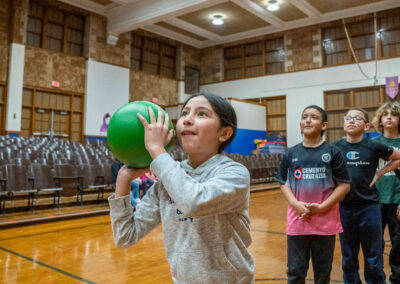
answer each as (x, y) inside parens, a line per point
(182, 96)
(107, 89)
(15, 87)
(249, 116)
(304, 88)
(174, 112)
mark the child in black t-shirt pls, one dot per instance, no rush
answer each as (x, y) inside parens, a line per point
(313, 177)
(360, 210)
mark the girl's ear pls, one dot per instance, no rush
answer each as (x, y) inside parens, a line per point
(225, 133)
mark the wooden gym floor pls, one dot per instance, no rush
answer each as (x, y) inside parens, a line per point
(83, 251)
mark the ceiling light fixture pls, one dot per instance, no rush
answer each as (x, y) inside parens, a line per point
(273, 5)
(217, 20)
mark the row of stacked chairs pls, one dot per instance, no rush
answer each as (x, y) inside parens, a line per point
(32, 165)
(262, 167)
(29, 166)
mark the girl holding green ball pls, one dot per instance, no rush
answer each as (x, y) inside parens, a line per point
(202, 203)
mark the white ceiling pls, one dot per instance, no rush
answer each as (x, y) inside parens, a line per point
(128, 15)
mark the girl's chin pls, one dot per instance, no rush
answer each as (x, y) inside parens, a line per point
(188, 149)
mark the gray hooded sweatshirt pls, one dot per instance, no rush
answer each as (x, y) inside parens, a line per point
(204, 214)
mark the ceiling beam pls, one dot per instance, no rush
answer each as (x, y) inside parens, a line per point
(332, 16)
(87, 5)
(248, 34)
(143, 13)
(259, 12)
(306, 8)
(360, 10)
(177, 36)
(121, 2)
(194, 29)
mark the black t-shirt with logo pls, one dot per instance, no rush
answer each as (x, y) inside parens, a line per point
(362, 158)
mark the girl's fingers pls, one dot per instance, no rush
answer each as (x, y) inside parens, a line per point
(152, 116)
(170, 134)
(166, 122)
(160, 116)
(143, 120)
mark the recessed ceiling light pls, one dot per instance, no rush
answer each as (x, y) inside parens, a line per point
(217, 20)
(273, 5)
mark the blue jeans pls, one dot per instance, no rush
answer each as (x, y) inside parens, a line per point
(362, 225)
(134, 192)
(389, 218)
(299, 250)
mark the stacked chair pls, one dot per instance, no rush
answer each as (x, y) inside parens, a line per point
(35, 165)
(262, 167)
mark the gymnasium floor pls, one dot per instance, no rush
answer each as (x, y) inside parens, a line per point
(82, 251)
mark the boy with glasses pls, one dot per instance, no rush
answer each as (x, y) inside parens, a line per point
(360, 210)
(386, 121)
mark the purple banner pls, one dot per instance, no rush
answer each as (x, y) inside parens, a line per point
(392, 86)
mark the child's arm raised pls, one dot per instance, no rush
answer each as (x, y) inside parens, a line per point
(226, 189)
(125, 176)
(392, 165)
(128, 227)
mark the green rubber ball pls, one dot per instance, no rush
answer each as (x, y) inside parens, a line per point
(125, 134)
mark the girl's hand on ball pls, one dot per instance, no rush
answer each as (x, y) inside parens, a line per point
(156, 133)
(125, 176)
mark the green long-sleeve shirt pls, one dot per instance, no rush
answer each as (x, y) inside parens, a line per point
(388, 185)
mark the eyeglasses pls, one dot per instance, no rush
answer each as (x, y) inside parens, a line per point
(356, 118)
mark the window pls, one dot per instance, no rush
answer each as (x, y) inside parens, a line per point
(44, 110)
(233, 62)
(192, 80)
(275, 114)
(55, 29)
(274, 56)
(254, 59)
(152, 56)
(253, 55)
(362, 35)
(389, 35)
(338, 102)
(363, 40)
(335, 46)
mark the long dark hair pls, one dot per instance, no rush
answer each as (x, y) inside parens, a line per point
(225, 112)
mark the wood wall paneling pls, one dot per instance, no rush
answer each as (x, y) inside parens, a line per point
(37, 109)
